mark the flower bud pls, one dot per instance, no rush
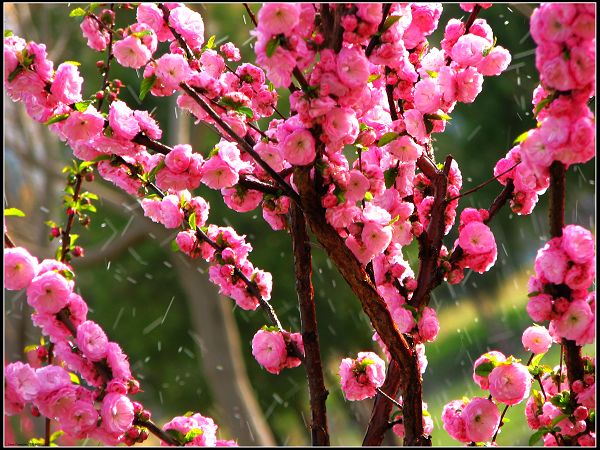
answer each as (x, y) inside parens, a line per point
(580, 413)
(77, 251)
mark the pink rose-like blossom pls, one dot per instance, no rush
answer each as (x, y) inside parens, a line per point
(575, 321)
(427, 96)
(22, 380)
(361, 377)
(298, 148)
(19, 268)
(49, 292)
(468, 84)
(83, 126)
(468, 50)
(357, 186)
(66, 87)
(510, 383)
(578, 243)
(97, 38)
(453, 421)
(428, 325)
(189, 25)
(172, 69)
(376, 237)
(341, 125)
(405, 149)
(92, 340)
(179, 159)
(495, 62)
(276, 18)
(171, 214)
(481, 417)
(218, 174)
(476, 238)
(268, 347)
(122, 120)
(117, 413)
(352, 67)
(497, 357)
(536, 339)
(415, 125)
(131, 52)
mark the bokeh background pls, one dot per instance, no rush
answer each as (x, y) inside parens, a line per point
(189, 347)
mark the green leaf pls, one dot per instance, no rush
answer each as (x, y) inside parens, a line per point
(174, 246)
(438, 116)
(428, 125)
(368, 196)
(246, 111)
(8, 33)
(141, 34)
(91, 208)
(542, 104)
(536, 360)
(30, 348)
(15, 73)
(189, 414)
(161, 164)
(82, 106)
(67, 273)
(387, 138)
(520, 138)
(484, 369)
(73, 63)
(557, 419)
(373, 77)
(177, 435)
(102, 158)
(391, 20)
(272, 45)
(211, 42)
(192, 221)
(74, 378)
(14, 212)
(57, 118)
(190, 435)
(74, 238)
(390, 177)
(535, 437)
(147, 84)
(432, 73)
(534, 294)
(54, 436)
(36, 442)
(77, 12)
(412, 310)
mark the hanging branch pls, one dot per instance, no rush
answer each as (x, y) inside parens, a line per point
(109, 57)
(310, 335)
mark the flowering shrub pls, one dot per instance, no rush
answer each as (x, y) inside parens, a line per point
(362, 77)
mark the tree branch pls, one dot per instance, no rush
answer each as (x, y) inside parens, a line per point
(376, 39)
(310, 334)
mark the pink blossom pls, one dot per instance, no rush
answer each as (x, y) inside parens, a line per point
(81, 419)
(492, 356)
(578, 243)
(83, 126)
(551, 262)
(361, 377)
(510, 383)
(468, 50)
(376, 237)
(21, 380)
(468, 84)
(298, 148)
(268, 347)
(427, 96)
(97, 38)
(66, 87)
(476, 238)
(171, 214)
(415, 124)
(453, 420)
(131, 52)
(151, 15)
(481, 417)
(495, 62)
(179, 158)
(92, 340)
(122, 120)
(19, 268)
(49, 292)
(357, 186)
(117, 413)
(172, 69)
(276, 18)
(218, 174)
(341, 125)
(536, 339)
(574, 323)
(117, 361)
(352, 67)
(189, 25)
(429, 325)
(231, 52)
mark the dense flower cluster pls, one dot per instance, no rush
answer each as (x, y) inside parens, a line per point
(101, 409)
(565, 58)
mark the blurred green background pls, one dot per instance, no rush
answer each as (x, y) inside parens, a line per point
(143, 295)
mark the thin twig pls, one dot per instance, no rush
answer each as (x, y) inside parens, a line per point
(485, 183)
(109, 57)
(66, 234)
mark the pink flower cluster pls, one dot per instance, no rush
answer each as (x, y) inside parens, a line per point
(51, 389)
(476, 240)
(197, 431)
(474, 420)
(228, 262)
(270, 348)
(564, 271)
(361, 377)
(565, 58)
